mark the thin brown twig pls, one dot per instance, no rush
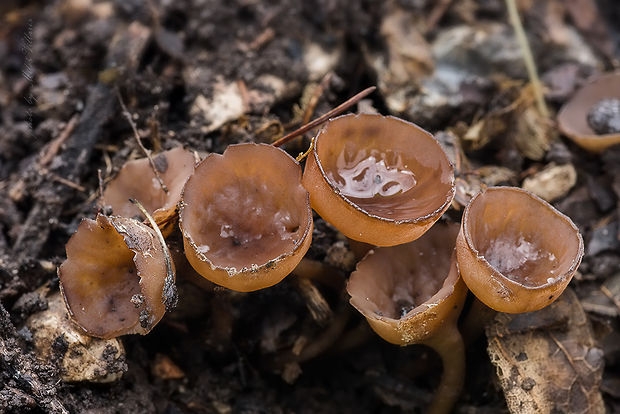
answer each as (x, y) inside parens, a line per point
(100, 195)
(436, 14)
(139, 140)
(316, 95)
(62, 180)
(55, 145)
(336, 111)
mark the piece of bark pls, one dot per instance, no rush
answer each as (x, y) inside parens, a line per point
(547, 361)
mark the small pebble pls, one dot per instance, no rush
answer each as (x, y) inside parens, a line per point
(604, 116)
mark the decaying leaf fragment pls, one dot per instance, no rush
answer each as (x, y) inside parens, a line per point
(547, 361)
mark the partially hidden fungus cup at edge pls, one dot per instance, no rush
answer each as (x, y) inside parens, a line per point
(114, 281)
(515, 251)
(413, 294)
(245, 217)
(137, 180)
(378, 179)
(595, 106)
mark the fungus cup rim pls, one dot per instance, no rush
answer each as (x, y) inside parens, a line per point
(556, 280)
(419, 220)
(137, 328)
(589, 140)
(233, 271)
(445, 291)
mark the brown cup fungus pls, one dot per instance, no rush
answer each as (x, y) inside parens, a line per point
(591, 117)
(516, 252)
(378, 179)
(137, 180)
(115, 278)
(245, 217)
(413, 294)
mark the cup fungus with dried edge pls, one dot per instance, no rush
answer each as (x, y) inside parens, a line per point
(378, 179)
(516, 252)
(137, 180)
(114, 278)
(591, 117)
(413, 294)
(245, 217)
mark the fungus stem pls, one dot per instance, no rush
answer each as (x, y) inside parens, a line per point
(515, 21)
(478, 317)
(169, 294)
(336, 111)
(127, 115)
(448, 343)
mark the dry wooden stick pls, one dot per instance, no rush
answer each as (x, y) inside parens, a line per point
(139, 140)
(336, 111)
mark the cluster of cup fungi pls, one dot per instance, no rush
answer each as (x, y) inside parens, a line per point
(246, 221)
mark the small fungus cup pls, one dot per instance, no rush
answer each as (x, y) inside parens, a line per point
(137, 180)
(245, 217)
(516, 252)
(114, 279)
(378, 179)
(413, 294)
(581, 115)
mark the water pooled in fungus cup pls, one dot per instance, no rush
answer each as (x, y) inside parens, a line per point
(137, 180)
(516, 252)
(245, 217)
(114, 278)
(378, 179)
(413, 294)
(573, 117)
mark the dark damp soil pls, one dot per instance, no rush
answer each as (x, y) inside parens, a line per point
(64, 65)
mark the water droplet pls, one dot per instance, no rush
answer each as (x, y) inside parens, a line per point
(371, 175)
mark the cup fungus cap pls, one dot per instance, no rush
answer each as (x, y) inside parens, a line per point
(137, 180)
(408, 292)
(378, 179)
(113, 281)
(516, 252)
(573, 117)
(245, 217)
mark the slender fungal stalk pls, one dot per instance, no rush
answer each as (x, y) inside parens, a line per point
(448, 343)
(478, 317)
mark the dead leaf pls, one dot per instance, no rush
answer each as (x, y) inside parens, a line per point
(553, 182)
(547, 361)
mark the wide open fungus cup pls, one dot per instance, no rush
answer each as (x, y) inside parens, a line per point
(409, 292)
(245, 217)
(516, 252)
(115, 280)
(378, 179)
(137, 180)
(573, 117)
